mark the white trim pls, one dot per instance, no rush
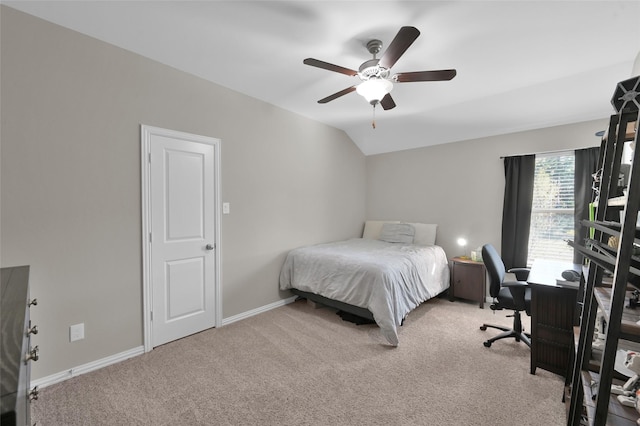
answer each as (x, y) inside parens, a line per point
(86, 368)
(145, 150)
(259, 310)
(218, 208)
(140, 350)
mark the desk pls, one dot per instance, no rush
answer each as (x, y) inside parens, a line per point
(553, 309)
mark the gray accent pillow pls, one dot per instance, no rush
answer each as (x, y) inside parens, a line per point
(397, 233)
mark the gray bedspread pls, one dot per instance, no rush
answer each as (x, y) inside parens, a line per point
(388, 279)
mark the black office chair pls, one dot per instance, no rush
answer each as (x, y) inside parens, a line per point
(513, 295)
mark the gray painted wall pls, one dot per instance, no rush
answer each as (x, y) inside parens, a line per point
(70, 183)
(460, 186)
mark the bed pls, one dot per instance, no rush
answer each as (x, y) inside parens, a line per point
(384, 275)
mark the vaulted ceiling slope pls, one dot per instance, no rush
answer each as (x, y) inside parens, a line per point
(520, 65)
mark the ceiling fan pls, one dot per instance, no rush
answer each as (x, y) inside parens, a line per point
(375, 74)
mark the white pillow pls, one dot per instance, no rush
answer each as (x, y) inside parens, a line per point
(372, 228)
(397, 233)
(425, 234)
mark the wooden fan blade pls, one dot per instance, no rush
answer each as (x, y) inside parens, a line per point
(405, 37)
(387, 102)
(440, 75)
(330, 67)
(337, 95)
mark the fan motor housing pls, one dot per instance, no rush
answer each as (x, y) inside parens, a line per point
(370, 69)
(374, 46)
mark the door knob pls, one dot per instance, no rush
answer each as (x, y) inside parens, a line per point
(210, 247)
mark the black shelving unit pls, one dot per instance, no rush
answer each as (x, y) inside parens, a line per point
(612, 273)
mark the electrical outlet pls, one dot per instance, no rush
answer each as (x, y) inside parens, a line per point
(76, 332)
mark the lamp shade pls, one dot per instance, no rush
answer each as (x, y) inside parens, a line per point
(374, 89)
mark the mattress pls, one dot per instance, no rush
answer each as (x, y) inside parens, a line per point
(388, 279)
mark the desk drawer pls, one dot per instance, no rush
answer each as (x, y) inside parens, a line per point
(552, 318)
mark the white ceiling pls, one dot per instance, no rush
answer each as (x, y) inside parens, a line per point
(521, 64)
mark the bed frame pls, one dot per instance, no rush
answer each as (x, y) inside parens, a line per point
(341, 306)
(336, 304)
(425, 234)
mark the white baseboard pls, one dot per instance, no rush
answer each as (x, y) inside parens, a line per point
(86, 368)
(259, 310)
(113, 359)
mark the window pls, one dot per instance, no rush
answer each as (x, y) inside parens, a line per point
(552, 210)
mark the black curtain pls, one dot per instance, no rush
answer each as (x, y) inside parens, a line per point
(516, 212)
(586, 165)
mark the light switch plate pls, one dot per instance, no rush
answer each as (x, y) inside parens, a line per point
(225, 208)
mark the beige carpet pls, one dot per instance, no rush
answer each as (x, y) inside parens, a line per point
(296, 365)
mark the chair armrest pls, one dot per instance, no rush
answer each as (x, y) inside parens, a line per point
(517, 289)
(521, 273)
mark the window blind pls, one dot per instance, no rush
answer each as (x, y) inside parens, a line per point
(552, 209)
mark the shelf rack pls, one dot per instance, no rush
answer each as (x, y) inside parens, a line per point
(589, 385)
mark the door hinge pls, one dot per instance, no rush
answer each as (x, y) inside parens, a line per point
(149, 157)
(150, 237)
(151, 315)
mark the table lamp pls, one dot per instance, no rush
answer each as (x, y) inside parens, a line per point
(462, 242)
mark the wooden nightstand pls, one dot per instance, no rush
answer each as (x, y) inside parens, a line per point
(468, 280)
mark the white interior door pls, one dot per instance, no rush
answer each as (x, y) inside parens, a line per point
(182, 239)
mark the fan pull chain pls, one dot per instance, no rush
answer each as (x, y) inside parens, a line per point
(373, 122)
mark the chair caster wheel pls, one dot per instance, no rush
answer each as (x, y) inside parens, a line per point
(487, 344)
(483, 327)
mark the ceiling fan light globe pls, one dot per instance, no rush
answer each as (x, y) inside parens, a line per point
(373, 90)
